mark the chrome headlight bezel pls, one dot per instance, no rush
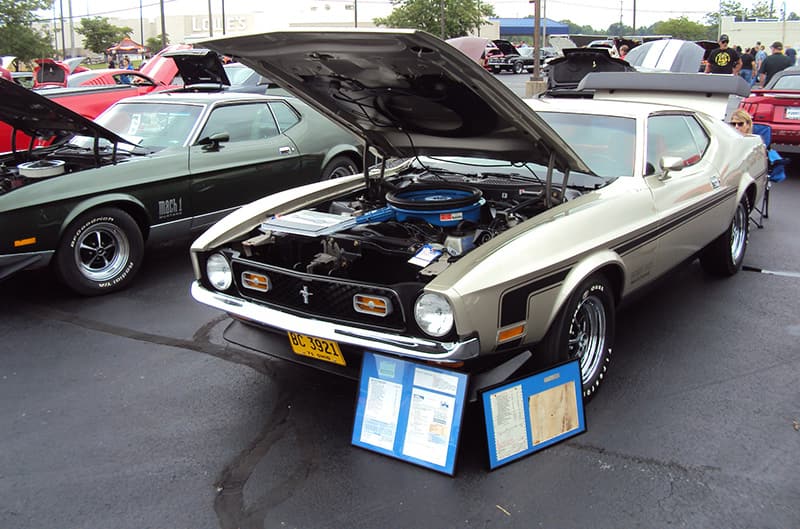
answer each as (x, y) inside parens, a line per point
(434, 315)
(219, 272)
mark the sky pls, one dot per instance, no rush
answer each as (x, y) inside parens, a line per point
(598, 13)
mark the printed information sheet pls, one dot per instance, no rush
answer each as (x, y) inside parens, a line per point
(533, 412)
(410, 411)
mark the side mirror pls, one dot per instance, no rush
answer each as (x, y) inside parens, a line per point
(669, 163)
(211, 143)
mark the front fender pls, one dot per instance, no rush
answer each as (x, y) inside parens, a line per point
(605, 260)
(124, 201)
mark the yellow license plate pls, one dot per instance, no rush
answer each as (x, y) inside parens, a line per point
(318, 348)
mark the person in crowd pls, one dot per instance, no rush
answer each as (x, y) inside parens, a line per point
(623, 51)
(5, 74)
(773, 64)
(746, 72)
(111, 63)
(742, 121)
(792, 54)
(724, 59)
(126, 65)
(759, 55)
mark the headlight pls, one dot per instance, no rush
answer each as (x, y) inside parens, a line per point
(433, 314)
(219, 272)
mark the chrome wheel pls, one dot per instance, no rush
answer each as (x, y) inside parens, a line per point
(738, 233)
(102, 252)
(587, 336)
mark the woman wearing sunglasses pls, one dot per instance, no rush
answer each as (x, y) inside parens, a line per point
(741, 121)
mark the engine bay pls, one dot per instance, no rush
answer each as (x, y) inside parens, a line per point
(407, 229)
(26, 167)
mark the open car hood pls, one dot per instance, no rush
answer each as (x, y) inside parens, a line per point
(405, 92)
(199, 66)
(36, 115)
(566, 73)
(666, 55)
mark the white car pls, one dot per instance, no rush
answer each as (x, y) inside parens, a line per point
(499, 233)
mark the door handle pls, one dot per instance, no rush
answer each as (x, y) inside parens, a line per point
(285, 150)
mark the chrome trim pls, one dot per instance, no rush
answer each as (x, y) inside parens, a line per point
(372, 340)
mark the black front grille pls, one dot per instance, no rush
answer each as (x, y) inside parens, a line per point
(323, 297)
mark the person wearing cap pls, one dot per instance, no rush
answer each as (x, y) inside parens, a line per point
(773, 64)
(724, 59)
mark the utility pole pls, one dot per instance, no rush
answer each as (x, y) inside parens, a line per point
(210, 21)
(71, 31)
(355, 13)
(441, 16)
(537, 45)
(163, 27)
(223, 17)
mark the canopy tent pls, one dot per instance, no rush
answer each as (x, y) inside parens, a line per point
(514, 28)
(127, 45)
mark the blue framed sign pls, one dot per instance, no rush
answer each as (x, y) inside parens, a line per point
(410, 411)
(532, 413)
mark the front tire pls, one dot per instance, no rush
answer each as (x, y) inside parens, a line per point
(338, 167)
(723, 257)
(584, 330)
(100, 252)
(518, 67)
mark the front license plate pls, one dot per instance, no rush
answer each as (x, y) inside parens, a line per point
(793, 113)
(318, 348)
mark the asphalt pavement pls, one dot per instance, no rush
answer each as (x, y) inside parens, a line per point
(131, 411)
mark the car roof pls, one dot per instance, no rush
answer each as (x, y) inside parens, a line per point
(629, 109)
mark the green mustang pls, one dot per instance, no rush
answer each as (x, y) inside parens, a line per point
(149, 169)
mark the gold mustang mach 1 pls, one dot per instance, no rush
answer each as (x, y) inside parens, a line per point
(496, 233)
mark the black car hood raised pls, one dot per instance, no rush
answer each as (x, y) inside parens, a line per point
(566, 73)
(36, 115)
(199, 66)
(404, 92)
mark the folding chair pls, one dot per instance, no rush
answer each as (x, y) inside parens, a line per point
(775, 170)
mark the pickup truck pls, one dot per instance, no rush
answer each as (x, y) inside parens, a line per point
(90, 101)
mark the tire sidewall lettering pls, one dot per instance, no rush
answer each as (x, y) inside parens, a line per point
(86, 226)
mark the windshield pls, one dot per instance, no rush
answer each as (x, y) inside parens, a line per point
(605, 143)
(154, 126)
(502, 169)
(787, 82)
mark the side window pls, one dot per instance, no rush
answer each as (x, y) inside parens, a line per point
(241, 122)
(674, 135)
(286, 116)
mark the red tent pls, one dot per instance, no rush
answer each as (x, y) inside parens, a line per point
(127, 45)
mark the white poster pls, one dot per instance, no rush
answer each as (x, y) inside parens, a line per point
(379, 426)
(508, 421)
(430, 419)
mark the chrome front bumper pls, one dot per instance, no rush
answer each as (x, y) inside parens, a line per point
(344, 334)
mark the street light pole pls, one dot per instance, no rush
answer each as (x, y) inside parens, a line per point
(537, 45)
(141, 24)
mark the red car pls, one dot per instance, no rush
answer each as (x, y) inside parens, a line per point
(99, 92)
(778, 105)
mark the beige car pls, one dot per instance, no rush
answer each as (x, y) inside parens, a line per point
(497, 234)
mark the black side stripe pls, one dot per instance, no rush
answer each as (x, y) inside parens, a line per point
(679, 219)
(514, 305)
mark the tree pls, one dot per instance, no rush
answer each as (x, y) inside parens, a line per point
(99, 34)
(618, 30)
(460, 16)
(154, 43)
(682, 28)
(17, 34)
(575, 29)
(761, 9)
(727, 8)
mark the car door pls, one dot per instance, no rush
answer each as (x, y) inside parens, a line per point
(255, 160)
(687, 200)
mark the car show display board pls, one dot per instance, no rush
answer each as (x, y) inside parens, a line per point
(532, 413)
(410, 411)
